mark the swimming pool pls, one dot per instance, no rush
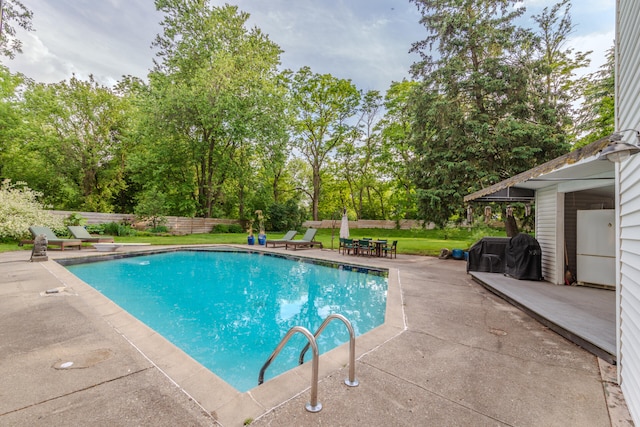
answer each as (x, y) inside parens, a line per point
(229, 310)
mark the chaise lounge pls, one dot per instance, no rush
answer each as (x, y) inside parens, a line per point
(52, 239)
(81, 233)
(306, 241)
(282, 242)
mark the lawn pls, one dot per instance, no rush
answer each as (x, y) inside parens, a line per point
(416, 242)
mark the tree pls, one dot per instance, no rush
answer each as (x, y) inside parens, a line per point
(11, 124)
(596, 119)
(321, 106)
(554, 63)
(13, 11)
(397, 152)
(356, 161)
(78, 126)
(21, 208)
(476, 119)
(213, 95)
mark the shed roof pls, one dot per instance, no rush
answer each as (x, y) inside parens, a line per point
(577, 165)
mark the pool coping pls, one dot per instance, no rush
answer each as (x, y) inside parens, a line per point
(227, 405)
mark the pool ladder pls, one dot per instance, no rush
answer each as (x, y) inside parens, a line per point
(313, 405)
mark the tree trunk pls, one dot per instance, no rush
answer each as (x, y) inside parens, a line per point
(511, 226)
(316, 192)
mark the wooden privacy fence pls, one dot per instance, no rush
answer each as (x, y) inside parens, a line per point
(404, 224)
(184, 225)
(175, 224)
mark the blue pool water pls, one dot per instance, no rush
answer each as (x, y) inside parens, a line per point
(229, 310)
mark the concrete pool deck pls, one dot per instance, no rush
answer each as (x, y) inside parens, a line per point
(450, 353)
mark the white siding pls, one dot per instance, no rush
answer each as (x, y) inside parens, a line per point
(628, 203)
(549, 226)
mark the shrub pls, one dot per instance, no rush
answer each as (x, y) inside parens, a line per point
(235, 228)
(227, 228)
(287, 216)
(116, 229)
(95, 228)
(20, 209)
(75, 219)
(220, 228)
(160, 229)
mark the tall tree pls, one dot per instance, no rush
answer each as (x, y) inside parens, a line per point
(13, 11)
(322, 106)
(554, 63)
(476, 122)
(10, 117)
(77, 126)
(397, 152)
(212, 97)
(596, 119)
(362, 165)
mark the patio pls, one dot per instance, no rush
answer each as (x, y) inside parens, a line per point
(459, 356)
(583, 315)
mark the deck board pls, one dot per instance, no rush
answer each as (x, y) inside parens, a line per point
(583, 315)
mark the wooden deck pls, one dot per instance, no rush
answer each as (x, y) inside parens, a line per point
(586, 316)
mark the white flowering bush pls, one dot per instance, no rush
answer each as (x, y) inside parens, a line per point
(20, 209)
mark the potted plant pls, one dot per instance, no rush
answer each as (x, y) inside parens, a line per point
(262, 237)
(250, 238)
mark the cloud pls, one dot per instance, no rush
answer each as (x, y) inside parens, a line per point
(598, 43)
(367, 41)
(106, 39)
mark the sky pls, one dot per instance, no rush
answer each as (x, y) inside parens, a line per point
(366, 41)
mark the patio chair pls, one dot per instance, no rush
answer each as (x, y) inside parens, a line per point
(54, 240)
(347, 246)
(79, 232)
(282, 242)
(391, 250)
(365, 246)
(306, 241)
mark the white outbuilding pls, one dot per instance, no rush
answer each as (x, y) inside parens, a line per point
(587, 207)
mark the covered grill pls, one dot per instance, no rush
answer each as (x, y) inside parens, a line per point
(488, 254)
(523, 258)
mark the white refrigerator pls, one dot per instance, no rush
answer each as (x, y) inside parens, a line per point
(595, 247)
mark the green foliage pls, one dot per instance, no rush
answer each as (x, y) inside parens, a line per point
(159, 229)
(236, 228)
(119, 229)
(95, 228)
(11, 126)
(597, 114)
(321, 106)
(151, 208)
(20, 209)
(227, 228)
(220, 228)
(285, 216)
(73, 144)
(13, 11)
(75, 219)
(494, 102)
(212, 97)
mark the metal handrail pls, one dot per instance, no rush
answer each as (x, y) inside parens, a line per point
(351, 381)
(313, 405)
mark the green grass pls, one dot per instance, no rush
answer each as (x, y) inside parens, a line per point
(415, 242)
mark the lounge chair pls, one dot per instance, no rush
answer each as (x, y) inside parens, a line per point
(54, 240)
(81, 233)
(306, 241)
(282, 242)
